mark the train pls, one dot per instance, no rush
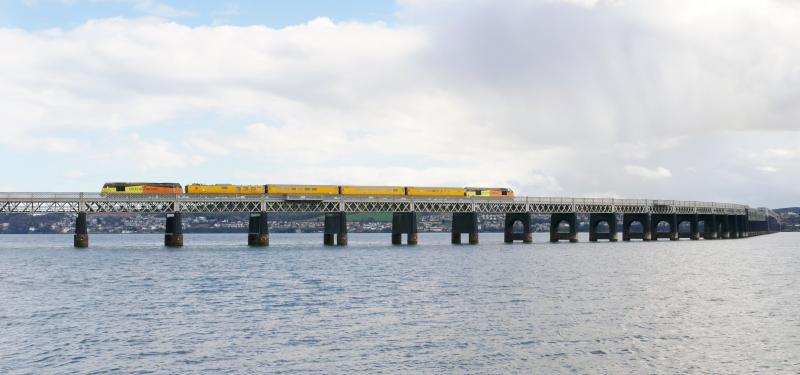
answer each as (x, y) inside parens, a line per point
(346, 190)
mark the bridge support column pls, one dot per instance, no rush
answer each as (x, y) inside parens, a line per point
(759, 227)
(404, 222)
(709, 226)
(258, 234)
(733, 226)
(571, 220)
(465, 222)
(744, 231)
(695, 228)
(173, 233)
(527, 234)
(671, 219)
(644, 221)
(694, 232)
(335, 225)
(724, 228)
(595, 219)
(81, 238)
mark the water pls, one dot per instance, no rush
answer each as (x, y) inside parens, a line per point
(129, 305)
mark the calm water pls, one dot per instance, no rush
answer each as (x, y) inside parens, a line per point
(129, 305)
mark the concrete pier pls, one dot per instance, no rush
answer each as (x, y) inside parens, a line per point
(81, 238)
(404, 223)
(571, 220)
(670, 219)
(526, 235)
(723, 226)
(173, 233)
(744, 224)
(335, 226)
(594, 221)
(258, 233)
(709, 226)
(692, 219)
(464, 222)
(643, 220)
(733, 226)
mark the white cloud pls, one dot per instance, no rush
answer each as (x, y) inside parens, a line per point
(648, 173)
(159, 9)
(548, 97)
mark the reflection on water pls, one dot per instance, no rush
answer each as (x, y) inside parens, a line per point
(128, 304)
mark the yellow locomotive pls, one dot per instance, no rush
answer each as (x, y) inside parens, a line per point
(141, 188)
(347, 190)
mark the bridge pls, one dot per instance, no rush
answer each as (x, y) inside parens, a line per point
(718, 220)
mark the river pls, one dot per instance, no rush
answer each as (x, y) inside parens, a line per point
(127, 304)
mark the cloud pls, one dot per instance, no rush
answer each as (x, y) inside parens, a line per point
(648, 173)
(159, 9)
(548, 97)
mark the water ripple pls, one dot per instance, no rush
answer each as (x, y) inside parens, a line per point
(127, 305)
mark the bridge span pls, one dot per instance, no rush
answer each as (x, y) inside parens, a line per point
(718, 220)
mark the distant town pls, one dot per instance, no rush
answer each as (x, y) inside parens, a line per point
(236, 223)
(279, 223)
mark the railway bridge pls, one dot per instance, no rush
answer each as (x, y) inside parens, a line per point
(643, 219)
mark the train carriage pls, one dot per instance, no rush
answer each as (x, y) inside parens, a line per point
(303, 189)
(225, 189)
(373, 190)
(435, 191)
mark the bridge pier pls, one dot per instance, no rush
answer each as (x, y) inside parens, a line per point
(709, 226)
(335, 225)
(527, 234)
(670, 219)
(464, 222)
(173, 233)
(694, 232)
(597, 218)
(733, 226)
(571, 220)
(643, 220)
(81, 238)
(404, 222)
(744, 230)
(258, 233)
(723, 226)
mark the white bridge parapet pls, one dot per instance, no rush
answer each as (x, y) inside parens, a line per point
(43, 203)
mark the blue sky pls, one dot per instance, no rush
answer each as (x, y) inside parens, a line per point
(42, 14)
(661, 99)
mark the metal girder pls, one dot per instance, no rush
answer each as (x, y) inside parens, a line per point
(40, 203)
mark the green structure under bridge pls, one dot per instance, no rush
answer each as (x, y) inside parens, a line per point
(643, 219)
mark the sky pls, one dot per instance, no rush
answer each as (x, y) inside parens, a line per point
(658, 99)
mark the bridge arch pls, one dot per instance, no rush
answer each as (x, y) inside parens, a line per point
(663, 226)
(563, 226)
(602, 226)
(684, 226)
(561, 222)
(516, 226)
(636, 226)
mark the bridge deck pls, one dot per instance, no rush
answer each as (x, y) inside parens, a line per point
(41, 203)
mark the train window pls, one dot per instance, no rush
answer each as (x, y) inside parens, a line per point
(120, 188)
